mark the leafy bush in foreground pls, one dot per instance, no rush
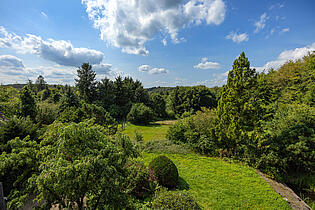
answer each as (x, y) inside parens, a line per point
(139, 182)
(174, 200)
(164, 170)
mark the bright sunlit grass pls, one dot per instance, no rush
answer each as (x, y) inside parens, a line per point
(217, 184)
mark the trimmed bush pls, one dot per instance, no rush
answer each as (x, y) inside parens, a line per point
(164, 170)
(174, 200)
(140, 114)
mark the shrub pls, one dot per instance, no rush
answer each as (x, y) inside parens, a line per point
(16, 127)
(47, 113)
(139, 183)
(174, 200)
(140, 114)
(165, 146)
(165, 171)
(197, 131)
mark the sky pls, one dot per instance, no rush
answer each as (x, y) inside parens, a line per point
(159, 42)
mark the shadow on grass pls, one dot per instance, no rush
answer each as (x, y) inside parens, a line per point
(182, 184)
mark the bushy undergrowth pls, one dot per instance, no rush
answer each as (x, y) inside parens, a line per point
(140, 183)
(165, 146)
(197, 131)
(165, 171)
(176, 200)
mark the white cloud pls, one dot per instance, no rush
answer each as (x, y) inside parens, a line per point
(164, 42)
(129, 24)
(284, 30)
(61, 52)
(238, 38)
(261, 23)
(205, 64)
(287, 55)
(149, 70)
(44, 14)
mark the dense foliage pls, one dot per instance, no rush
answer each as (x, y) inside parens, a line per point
(178, 200)
(191, 99)
(165, 171)
(140, 114)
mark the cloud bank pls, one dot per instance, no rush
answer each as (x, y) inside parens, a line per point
(287, 55)
(58, 51)
(238, 38)
(149, 70)
(129, 24)
(205, 64)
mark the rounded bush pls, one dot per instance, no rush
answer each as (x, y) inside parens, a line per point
(174, 200)
(164, 170)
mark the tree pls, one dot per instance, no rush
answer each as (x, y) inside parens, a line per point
(157, 103)
(237, 110)
(140, 114)
(79, 161)
(28, 104)
(86, 83)
(40, 83)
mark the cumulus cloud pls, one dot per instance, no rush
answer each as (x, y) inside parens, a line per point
(149, 70)
(129, 24)
(238, 38)
(205, 64)
(284, 30)
(261, 23)
(59, 51)
(287, 55)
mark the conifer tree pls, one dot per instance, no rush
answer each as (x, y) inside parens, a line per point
(28, 104)
(237, 109)
(86, 82)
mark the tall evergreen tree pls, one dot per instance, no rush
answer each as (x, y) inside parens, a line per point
(86, 82)
(238, 106)
(28, 104)
(40, 83)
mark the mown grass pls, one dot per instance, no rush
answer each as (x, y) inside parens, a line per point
(216, 184)
(154, 131)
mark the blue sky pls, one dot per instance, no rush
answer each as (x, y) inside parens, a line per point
(159, 42)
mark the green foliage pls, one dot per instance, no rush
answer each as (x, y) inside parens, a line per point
(17, 169)
(158, 105)
(176, 200)
(140, 114)
(165, 146)
(80, 161)
(197, 131)
(289, 140)
(165, 171)
(9, 101)
(69, 99)
(16, 127)
(86, 83)
(239, 106)
(87, 111)
(40, 83)
(139, 182)
(191, 99)
(46, 113)
(28, 104)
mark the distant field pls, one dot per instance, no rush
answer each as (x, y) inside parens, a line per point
(217, 184)
(155, 131)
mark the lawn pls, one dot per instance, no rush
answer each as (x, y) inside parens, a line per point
(154, 131)
(216, 184)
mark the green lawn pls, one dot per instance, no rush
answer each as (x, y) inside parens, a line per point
(217, 184)
(155, 131)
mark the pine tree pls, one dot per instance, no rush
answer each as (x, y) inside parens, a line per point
(238, 106)
(86, 83)
(28, 104)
